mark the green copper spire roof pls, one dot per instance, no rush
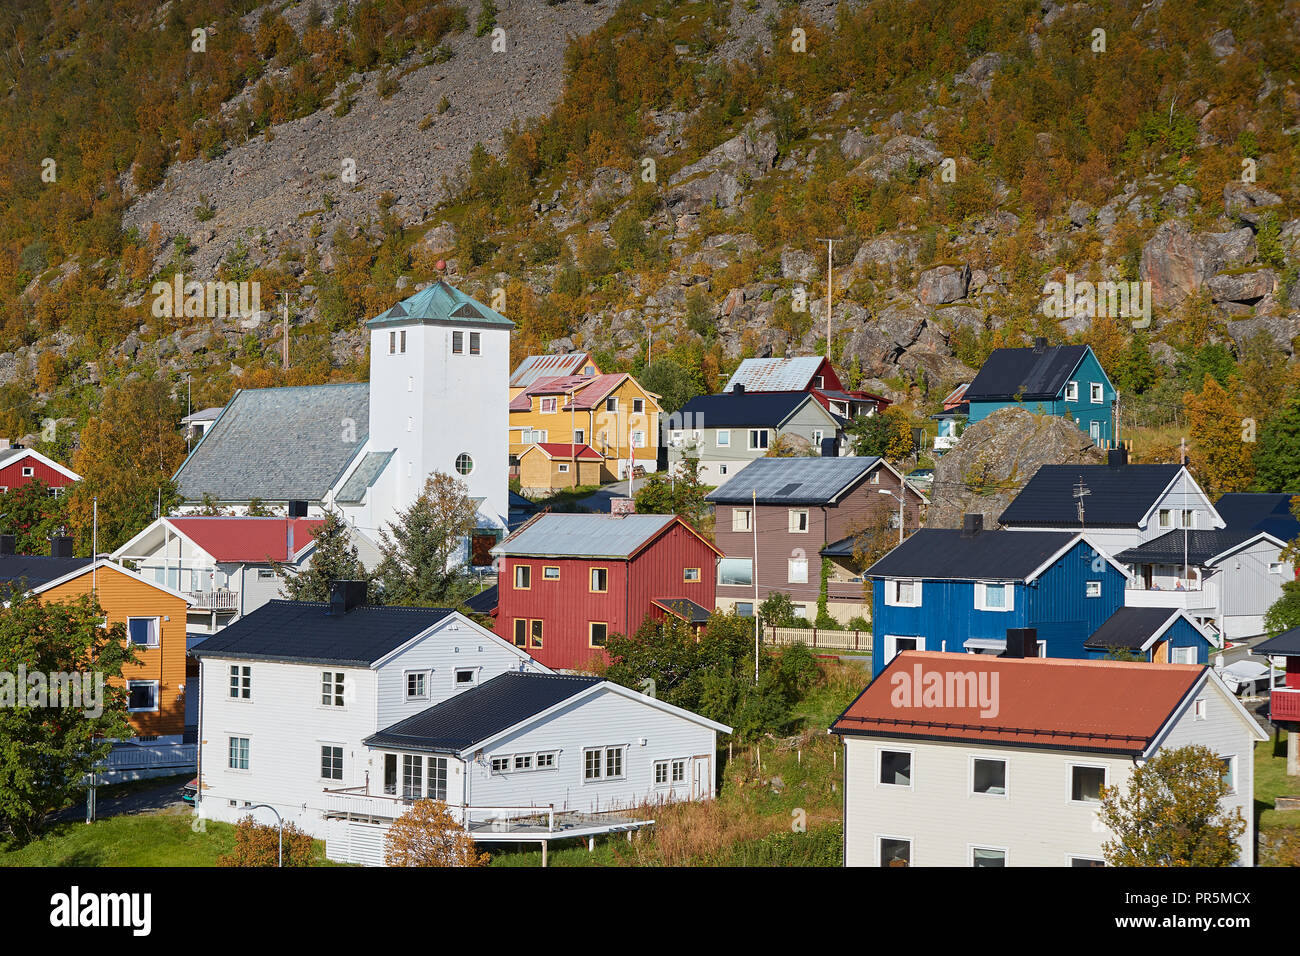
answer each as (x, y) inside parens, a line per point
(441, 303)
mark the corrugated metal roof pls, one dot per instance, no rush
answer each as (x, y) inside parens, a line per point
(1130, 627)
(686, 609)
(279, 444)
(535, 367)
(365, 475)
(441, 302)
(1119, 496)
(1027, 373)
(37, 569)
(775, 374)
(794, 480)
(1262, 512)
(251, 539)
(584, 535)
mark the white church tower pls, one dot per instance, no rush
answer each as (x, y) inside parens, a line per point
(439, 368)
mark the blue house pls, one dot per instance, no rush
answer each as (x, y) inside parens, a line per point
(1065, 380)
(954, 590)
(1164, 635)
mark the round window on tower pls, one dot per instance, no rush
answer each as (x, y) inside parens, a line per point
(464, 464)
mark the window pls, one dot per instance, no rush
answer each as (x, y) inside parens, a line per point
(579, 436)
(1094, 589)
(602, 763)
(895, 851)
(994, 597)
(1189, 518)
(800, 611)
(1199, 709)
(1230, 772)
(901, 593)
(548, 406)
(745, 608)
(521, 632)
(797, 571)
(691, 575)
(500, 764)
(143, 631)
(724, 438)
(532, 436)
(238, 759)
(564, 468)
(464, 464)
(1095, 393)
(550, 573)
(29, 471)
(241, 682)
(437, 779)
(611, 404)
(535, 633)
(740, 519)
(987, 856)
(466, 676)
(1275, 567)
(598, 633)
(474, 348)
(1086, 783)
(1166, 518)
(546, 761)
(1071, 391)
(798, 521)
(392, 343)
(458, 342)
(819, 381)
(638, 406)
(331, 689)
(523, 761)
(599, 580)
(757, 438)
(1182, 655)
(142, 695)
(668, 772)
(331, 762)
(896, 768)
(523, 577)
(417, 685)
(736, 572)
(1085, 861)
(989, 776)
(722, 469)
(895, 643)
(412, 777)
(638, 439)
(266, 574)
(661, 773)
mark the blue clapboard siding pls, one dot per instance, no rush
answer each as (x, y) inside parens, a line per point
(1180, 634)
(1056, 603)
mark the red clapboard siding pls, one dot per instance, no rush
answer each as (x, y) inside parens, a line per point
(11, 476)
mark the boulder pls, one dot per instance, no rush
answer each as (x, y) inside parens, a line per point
(1248, 202)
(854, 146)
(1177, 262)
(1282, 331)
(1242, 285)
(1223, 44)
(945, 283)
(897, 156)
(798, 265)
(980, 73)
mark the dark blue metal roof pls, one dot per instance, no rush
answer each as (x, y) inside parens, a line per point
(1286, 644)
(305, 631)
(1119, 495)
(37, 569)
(484, 602)
(1200, 546)
(686, 609)
(1259, 512)
(749, 409)
(945, 554)
(475, 715)
(1025, 373)
(1130, 627)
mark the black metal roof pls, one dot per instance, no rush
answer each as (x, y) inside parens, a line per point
(37, 569)
(782, 481)
(1130, 627)
(1261, 512)
(1201, 547)
(1119, 495)
(1286, 644)
(1025, 373)
(305, 631)
(686, 609)
(943, 553)
(842, 548)
(744, 410)
(473, 716)
(484, 602)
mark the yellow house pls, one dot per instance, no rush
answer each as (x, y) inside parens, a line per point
(611, 413)
(553, 466)
(536, 367)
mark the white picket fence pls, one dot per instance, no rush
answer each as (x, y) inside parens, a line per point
(819, 638)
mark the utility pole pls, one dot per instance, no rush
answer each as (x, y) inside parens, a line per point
(573, 432)
(1182, 512)
(753, 526)
(830, 265)
(285, 362)
(1081, 491)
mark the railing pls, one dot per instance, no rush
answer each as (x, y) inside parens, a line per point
(819, 637)
(355, 803)
(149, 757)
(1284, 704)
(222, 599)
(1196, 598)
(944, 442)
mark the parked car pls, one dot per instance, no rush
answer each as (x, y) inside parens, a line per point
(190, 790)
(922, 478)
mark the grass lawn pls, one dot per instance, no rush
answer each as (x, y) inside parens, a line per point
(1270, 780)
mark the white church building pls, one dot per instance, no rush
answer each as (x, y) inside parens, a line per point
(435, 402)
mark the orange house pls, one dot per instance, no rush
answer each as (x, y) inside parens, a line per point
(154, 618)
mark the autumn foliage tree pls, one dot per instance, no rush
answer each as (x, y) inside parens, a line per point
(258, 844)
(1222, 441)
(426, 835)
(1172, 813)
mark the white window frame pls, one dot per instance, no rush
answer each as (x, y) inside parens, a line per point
(742, 526)
(892, 592)
(1096, 394)
(911, 848)
(611, 404)
(563, 468)
(1006, 779)
(911, 768)
(1231, 760)
(723, 438)
(891, 644)
(156, 630)
(546, 400)
(1071, 391)
(638, 406)
(602, 766)
(793, 574)
(457, 343)
(981, 596)
(234, 691)
(1175, 651)
(1069, 782)
(425, 676)
(1092, 589)
(1275, 567)
(799, 516)
(758, 439)
(29, 471)
(1200, 710)
(748, 584)
(334, 746)
(157, 696)
(972, 847)
(339, 686)
(1071, 857)
(1188, 518)
(473, 679)
(247, 754)
(1165, 518)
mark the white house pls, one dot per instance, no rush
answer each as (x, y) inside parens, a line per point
(957, 760)
(289, 693)
(439, 367)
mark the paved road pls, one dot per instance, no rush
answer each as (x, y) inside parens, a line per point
(147, 799)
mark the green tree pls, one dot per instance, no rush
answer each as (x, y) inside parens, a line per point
(1172, 813)
(1277, 456)
(777, 610)
(674, 384)
(421, 550)
(335, 558)
(1284, 614)
(1220, 454)
(887, 434)
(1134, 369)
(46, 750)
(677, 492)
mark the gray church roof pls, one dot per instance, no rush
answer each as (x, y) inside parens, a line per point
(365, 475)
(279, 444)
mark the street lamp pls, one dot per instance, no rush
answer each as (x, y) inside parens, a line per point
(279, 822)
(901, 499)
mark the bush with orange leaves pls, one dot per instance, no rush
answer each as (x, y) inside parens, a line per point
(426, 835)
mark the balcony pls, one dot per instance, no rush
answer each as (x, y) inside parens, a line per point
(221, 599)
(1284, 704)
(1193, 599)
(944, 442)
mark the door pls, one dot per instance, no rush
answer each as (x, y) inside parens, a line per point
(702, 779)
(390, 774)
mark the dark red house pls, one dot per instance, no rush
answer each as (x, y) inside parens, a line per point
(813, 374)
(18, 466)
(568, 581)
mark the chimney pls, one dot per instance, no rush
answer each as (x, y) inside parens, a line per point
(297, 509)
(288, 540)
(60, 546)
(1117, 457)
(7, 543)
(1022, 642)
(828, 448)
(345, 595)
(1040, 344)
(738, 389)
(971, 525)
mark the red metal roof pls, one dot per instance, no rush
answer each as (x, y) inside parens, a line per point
(1114, 706)
(251, 540)
(562, 449)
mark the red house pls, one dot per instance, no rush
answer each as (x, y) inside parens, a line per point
(568, 581)
(813, 374)
(18, 466)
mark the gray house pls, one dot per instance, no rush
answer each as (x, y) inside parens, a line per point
(728, 431)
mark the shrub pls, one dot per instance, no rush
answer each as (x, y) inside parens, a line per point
(258, 844)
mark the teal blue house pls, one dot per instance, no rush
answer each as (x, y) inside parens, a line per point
(1065, 380)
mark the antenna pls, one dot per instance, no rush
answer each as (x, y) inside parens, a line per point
(1080, 492)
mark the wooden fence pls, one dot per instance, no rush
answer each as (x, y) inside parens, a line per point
(819, 638)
